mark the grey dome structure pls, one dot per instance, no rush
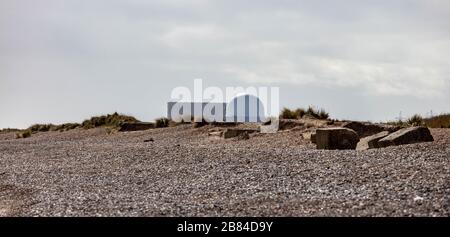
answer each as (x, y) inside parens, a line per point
(245, 108)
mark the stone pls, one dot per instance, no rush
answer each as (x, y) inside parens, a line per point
(336, 139)
(310, 136)
(368, 129)
(235, 132)
(371, 142)
(215, 134)
(307, 135)
(135, 126)
(407, 136)
(149, 140)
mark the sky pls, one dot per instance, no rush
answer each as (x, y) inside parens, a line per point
(65, 61)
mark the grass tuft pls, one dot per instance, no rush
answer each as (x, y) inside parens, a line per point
(162, 123)
(415, 120)
(286, 113)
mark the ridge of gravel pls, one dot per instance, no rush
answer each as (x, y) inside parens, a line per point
(185, 172)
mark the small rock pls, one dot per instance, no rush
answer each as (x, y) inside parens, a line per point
(149, 140)
(418, 199)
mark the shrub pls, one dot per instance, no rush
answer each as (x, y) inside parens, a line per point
(109, 120)
(318, 114)
(300, 112)
(50, 127)
(398, 123)
(292, 114)
(162, 122)
(40, 128)
(415, 120)
(442, 120)
(65, 127)
(323, 114)
(288, 114)
(23, 134)
(6, 130)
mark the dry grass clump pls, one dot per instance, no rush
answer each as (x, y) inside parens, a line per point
(7, 130)
(112, 121)
(162, 123)
(65, 127)
(415, 120)
(440, 121)
(286, 113)
(109, 120)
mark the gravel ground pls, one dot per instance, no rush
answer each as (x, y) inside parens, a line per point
(185, 172)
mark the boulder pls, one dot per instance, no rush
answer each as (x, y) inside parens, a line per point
(336, 138)
(236, 132)
(407, 136)
(135, 126)
(371, 142)
(368, 129)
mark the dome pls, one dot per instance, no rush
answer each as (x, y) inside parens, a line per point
(245, 108)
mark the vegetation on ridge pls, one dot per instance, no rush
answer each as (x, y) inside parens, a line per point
(298, 113)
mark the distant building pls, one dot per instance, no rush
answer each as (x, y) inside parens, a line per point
(242, 108)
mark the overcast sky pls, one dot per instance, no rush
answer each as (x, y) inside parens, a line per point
(66, 60)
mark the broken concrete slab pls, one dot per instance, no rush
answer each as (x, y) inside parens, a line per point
(368, 129)
(336, 138)
(135, 126)
(407, 136)
(371, 142)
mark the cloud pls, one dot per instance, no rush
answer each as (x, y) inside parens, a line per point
(377, 48)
